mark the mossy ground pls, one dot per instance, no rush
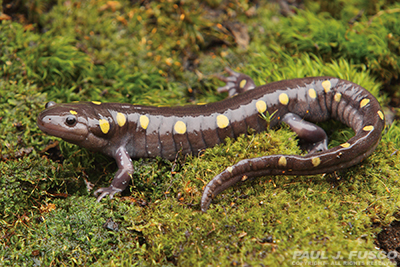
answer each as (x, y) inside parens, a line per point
(166, 53)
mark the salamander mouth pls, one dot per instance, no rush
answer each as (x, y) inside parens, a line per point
(54, 125)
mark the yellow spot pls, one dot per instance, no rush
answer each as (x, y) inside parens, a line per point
(315, 161)
(345, 145)
(380, 113)
(222, 121)
(104, 126)
(244, 178)
(261, 106)
(73, 112)
(312, 93)
(282, 161)
(284, 99)
(229, 169)
(121, 119)
(368, 128)
(242, 83)
(337, 97)
(144, 121)
(364, 102)
(180, 127)
(326, 85)
(96, 102)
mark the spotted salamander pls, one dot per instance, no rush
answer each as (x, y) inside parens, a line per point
(125, 131)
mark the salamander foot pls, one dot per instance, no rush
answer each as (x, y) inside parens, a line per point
(110, 191)
(236, 83)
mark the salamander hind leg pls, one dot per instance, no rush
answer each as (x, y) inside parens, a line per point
(236, 83)
(312, 137)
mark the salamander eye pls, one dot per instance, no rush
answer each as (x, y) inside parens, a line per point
(50, 104)
(70, 121)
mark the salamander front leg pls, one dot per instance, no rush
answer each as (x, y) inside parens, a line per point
(236, 83)
(121, 178)
(312, 137)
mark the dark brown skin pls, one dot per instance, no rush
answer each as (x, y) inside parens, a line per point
(123, 131)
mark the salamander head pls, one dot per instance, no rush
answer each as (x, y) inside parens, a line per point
(71, 122)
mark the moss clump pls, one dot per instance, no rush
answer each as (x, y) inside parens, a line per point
(374, 41)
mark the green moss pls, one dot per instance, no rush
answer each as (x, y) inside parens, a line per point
(373, 41)
(151, 53)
